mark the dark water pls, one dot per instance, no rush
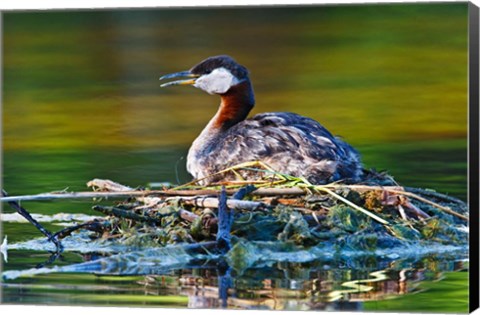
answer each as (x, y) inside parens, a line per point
(81, 100)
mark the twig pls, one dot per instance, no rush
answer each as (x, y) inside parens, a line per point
(225, 220)
(351, 204)
(24, 213)
(146, 193)
(434, 194)
(75, 195)
(242, 166)
(124, 214)
(436, 205)
(107, 185)
(242, 192)
(211, 202)
(91, 225)
(399, 190)
(54, 256)
(292, 191)
(187, 215)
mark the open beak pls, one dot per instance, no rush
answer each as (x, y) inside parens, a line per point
(183, 74)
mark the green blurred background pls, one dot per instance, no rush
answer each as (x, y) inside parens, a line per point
(81, 96)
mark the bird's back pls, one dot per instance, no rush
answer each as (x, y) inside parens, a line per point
(287, 142)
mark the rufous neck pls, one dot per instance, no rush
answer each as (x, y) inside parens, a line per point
(236, 103)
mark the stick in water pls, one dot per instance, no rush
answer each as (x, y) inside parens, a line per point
(24, 213)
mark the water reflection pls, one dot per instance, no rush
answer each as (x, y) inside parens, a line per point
(318, 290)
(280, 287)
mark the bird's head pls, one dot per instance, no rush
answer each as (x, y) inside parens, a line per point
(214, 75)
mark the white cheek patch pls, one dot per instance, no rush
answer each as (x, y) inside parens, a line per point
(218, 81)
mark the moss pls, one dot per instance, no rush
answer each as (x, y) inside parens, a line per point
(405, 232)
(347, 219)
(431, 228)
(257, 226)
(338, 219)
(296, 230)
(360, 241)
(238, 256)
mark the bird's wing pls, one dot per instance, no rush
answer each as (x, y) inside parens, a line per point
(277, 135)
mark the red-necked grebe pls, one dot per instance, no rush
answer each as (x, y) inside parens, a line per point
(286, 142)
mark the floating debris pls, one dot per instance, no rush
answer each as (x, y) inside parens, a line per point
(3, 249)
(59, 218)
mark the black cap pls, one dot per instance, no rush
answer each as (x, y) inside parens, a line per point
(222, 61)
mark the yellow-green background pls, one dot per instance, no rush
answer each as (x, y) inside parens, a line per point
(390, 79)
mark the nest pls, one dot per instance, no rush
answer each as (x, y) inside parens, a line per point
(371, 215)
